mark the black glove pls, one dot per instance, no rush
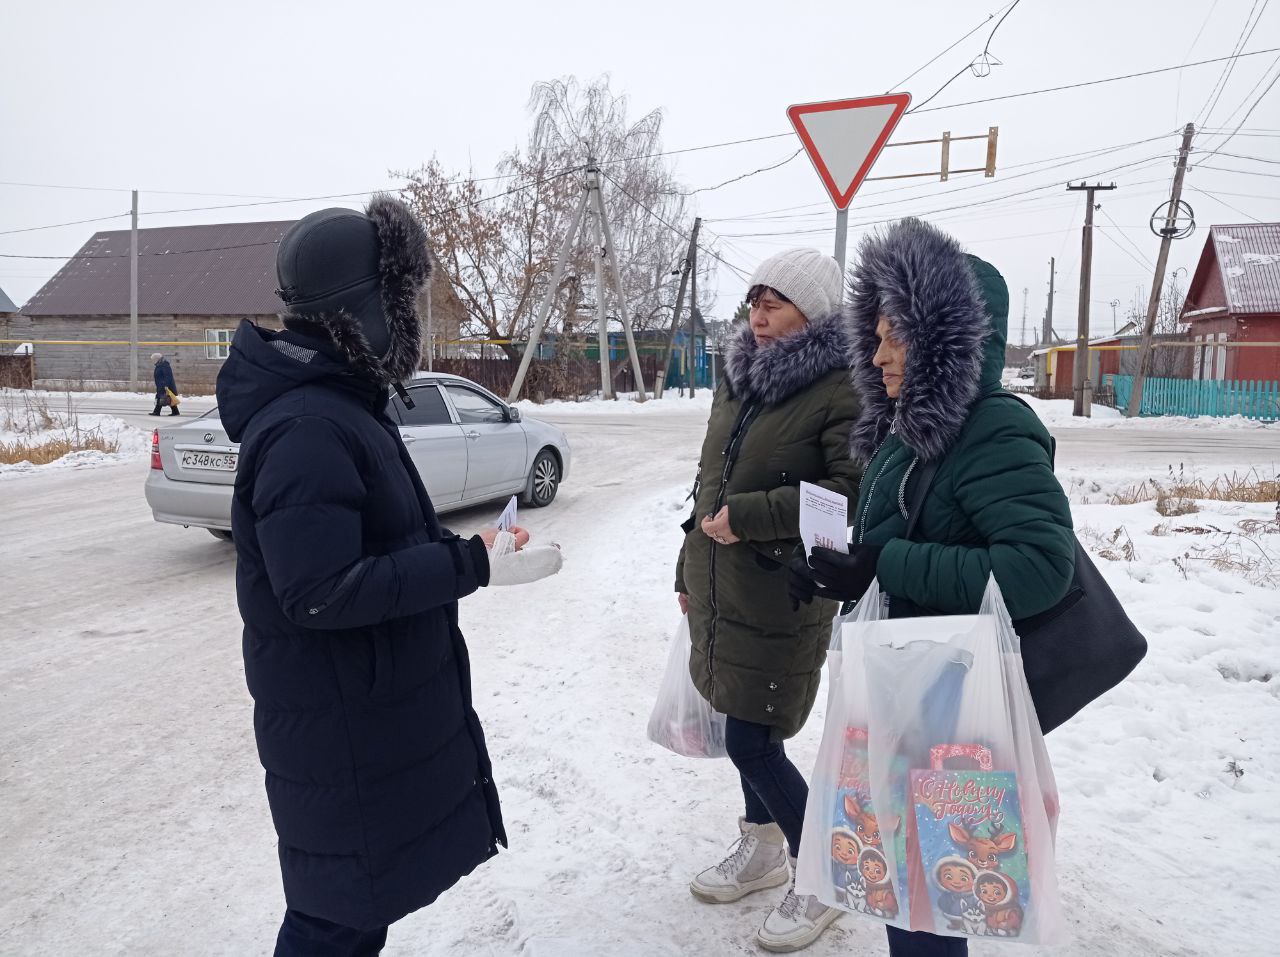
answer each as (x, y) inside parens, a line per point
(845, 577)
(800, 584)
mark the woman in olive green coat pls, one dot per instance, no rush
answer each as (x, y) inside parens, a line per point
(781, 417)
(928, 324)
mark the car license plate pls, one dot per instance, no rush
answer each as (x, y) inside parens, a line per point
(210, 461)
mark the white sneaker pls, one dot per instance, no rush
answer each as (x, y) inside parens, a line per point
(795, 923)
(758, 861)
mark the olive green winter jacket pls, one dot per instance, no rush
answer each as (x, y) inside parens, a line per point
(995, 504)
(781, 417)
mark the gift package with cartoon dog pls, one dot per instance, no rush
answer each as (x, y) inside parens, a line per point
(933, 805)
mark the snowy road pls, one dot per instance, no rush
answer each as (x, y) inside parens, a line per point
(1137, 444)
(134, 820)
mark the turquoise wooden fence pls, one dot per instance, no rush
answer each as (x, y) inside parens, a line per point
(1253, 400)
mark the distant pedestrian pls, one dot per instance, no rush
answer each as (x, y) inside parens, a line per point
(781, 416)
(166, 385)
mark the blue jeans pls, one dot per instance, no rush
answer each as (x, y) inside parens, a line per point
(916, 943)
(305, 936)
(774, 790)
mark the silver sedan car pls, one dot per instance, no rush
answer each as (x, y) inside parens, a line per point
(469, 446)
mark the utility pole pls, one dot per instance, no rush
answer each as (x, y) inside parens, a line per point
(1022, 336)
(602, 319)
(694, 316)
(1162, 261)
(606, 256)
(431, 333)
(133, 297)
(1082, 386)
(1047, 333)
(661, 382)
(1115, 323)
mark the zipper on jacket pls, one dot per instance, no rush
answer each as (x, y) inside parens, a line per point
(745, 417)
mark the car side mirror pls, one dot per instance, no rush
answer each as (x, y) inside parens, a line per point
(513, 414)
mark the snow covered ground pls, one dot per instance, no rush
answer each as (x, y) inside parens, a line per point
(29, 418)
(134, 820)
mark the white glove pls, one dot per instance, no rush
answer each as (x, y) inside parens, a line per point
(510, 567)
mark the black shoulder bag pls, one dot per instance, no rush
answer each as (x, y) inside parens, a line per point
(1075, 651)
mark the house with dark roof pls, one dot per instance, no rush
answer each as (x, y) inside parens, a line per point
(195, 285)
(1233, 305)
(7, 308)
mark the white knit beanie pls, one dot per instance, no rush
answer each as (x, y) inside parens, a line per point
(809, 279)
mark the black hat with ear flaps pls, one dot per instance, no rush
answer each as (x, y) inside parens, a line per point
(357, 276)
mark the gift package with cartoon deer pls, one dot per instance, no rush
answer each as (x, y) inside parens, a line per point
(933, 805)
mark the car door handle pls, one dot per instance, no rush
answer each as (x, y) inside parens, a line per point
(472, 435)
(407, 439)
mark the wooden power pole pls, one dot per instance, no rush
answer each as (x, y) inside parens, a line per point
(1047, 334)
(1081, 386)
(1167, 234)
(133, 297)
(665, 363)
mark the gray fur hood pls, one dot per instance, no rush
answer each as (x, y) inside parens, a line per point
(950, 310)
(779, 371)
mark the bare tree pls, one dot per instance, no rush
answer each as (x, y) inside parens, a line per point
(498, 240)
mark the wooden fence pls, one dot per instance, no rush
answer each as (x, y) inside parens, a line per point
(1193, 398)
(549, 378)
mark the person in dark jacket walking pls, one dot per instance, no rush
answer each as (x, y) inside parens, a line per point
(165, 383)
(780, 417)
(377, 774)
(928, 324)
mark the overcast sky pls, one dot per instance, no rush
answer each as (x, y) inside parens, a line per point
(273, 99)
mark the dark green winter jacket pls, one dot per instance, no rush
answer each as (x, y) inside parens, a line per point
(781, 417)
(995, 505)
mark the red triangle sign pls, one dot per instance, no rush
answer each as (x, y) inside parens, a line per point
(844, 137)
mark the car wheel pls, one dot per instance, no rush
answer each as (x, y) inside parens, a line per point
(544, 479)
(221, 534)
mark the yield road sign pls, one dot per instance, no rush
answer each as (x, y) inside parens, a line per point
(844, 137)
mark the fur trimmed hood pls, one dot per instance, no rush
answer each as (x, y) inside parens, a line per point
(950, 310)
(789, 365)
(404, 268)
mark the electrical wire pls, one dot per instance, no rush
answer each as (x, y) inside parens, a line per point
(675, 229)
(1109, 79)
(990, 17)
(1223, 202)
(738, 179)
(1255, 159)
(1145, 257)
(984, 58)
(1220, 86)
(1241, 172)
(1245, 119)
(78, 222)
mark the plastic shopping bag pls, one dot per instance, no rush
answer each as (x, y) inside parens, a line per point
(682, 720)
(507, 566)
(958, 772)
(853, 851)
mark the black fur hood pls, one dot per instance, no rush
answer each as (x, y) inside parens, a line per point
(790, 364)
(950, 310)
(404, 268)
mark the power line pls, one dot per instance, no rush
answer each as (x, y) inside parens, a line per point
(990, 17)
(1245, 119)
(737, 179)
(1242, 172)
(1220, 85)
(675, 229)
(984, 59)
(1145, 258)
(1223, 202)
(1109, 79)
(78, 222)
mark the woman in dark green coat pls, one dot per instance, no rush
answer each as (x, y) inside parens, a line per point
(781, 417)
(928, 325)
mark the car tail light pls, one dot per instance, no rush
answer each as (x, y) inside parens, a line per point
(155, 450)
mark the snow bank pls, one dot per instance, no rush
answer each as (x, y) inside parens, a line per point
(134, 443)
(1056, 414)
(58, 398)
